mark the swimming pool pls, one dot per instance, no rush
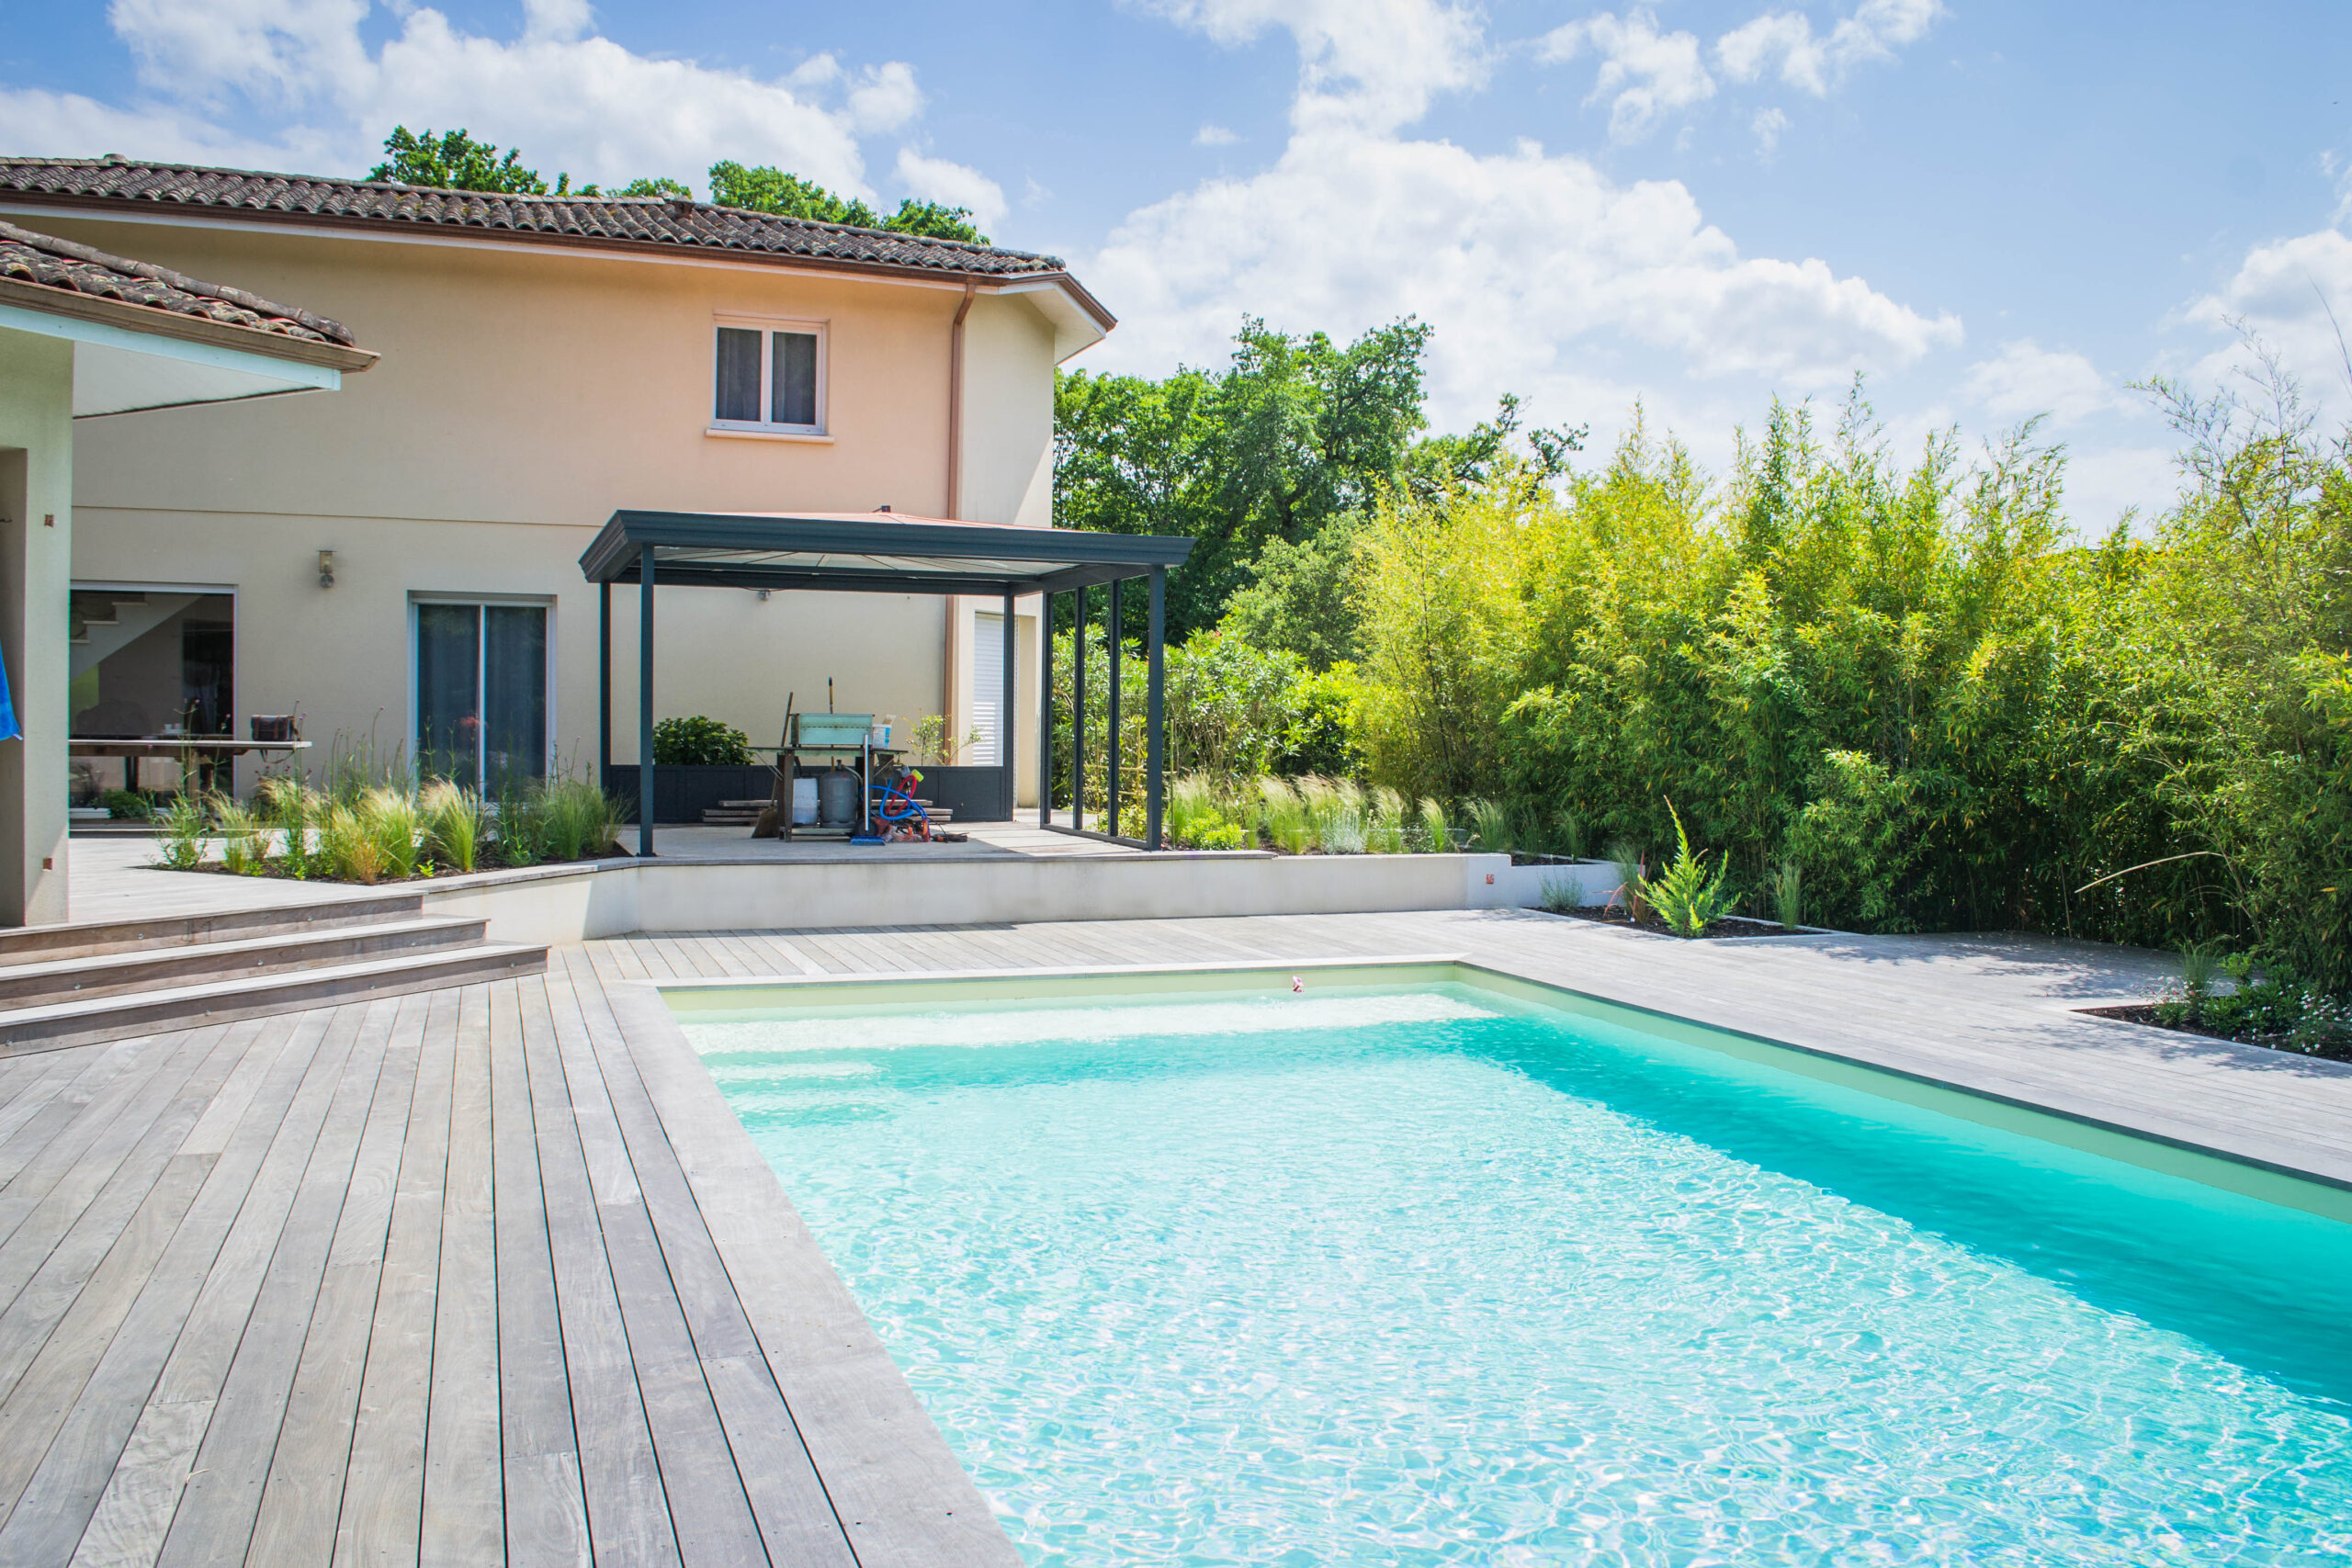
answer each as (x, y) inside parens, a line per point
(1432, 1273)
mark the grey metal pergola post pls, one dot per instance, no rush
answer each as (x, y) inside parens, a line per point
(645, 701)
(1111, 741)
(1155, 710)
(1077, 713)
(604, 685)
(1006, 757)
(1045, 712)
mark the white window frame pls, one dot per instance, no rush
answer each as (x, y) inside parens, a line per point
(479, 601)
(767, 327)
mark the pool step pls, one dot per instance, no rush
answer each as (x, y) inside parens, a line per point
(54, 1025)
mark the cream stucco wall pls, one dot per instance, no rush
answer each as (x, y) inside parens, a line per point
(522, 396)
(36, 546)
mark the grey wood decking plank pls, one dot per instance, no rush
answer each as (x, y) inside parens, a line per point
(302, 1497)
(30, 1138)
(58, 1071)
(755, 957)
(628, 1511)
(214, 1522)
(54, 1334)
(711, 1504)
(796, 1519)
(382, 1512)
(55, 1509)
(51, 1193)
(673, 953)
(793, 959)
(464, 1521)
(547, 1519)
(722, 949)
(143, 1494)
(901, 1498)
(45, 1263)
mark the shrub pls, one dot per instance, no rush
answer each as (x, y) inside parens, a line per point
(1560, 894)
(388, 819)
(126, 807)
(452, 819)
(1788, 894)
(1627, 859)
(1192, 809)
(700, 742)
(1223, 836)
(184, 823)
(1284, 815)
(1685, 897)
(346, 848)
(1492, 828)
(243, 847)
(576, 819)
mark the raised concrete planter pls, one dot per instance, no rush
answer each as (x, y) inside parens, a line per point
(561, 904)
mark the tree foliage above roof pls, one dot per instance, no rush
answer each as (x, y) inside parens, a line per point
(767, 189)
(453, 160)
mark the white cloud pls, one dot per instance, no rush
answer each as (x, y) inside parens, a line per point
(1815, 64)
(1767, 126)
(1374, 63)
(1213, 136)
(2025, 379)
(569, 100)
(1540, 274)
(2285, 293)
(936, 179)
(885, 99)
(1644, 72)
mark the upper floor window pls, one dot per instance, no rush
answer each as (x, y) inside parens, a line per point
(770, 378)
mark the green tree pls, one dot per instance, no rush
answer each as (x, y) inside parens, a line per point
(1294, 434)
(455, 161)
(767, 188)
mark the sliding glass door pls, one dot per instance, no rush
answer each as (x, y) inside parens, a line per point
(481, 693)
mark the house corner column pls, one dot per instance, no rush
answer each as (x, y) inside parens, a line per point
(36, 577)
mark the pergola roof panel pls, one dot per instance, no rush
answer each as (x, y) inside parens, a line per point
(868, 552)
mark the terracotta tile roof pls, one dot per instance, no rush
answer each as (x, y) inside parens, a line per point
(28, 257)
(627, 220)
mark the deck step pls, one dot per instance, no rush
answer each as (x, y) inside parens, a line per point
(83, 939)
(56, 1025)
(150, 968)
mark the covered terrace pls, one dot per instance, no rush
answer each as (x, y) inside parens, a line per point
(883, 552)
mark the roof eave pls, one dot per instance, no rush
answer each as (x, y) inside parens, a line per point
(158, 322)
(99, 206)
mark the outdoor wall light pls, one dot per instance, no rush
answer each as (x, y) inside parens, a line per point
(326, 568)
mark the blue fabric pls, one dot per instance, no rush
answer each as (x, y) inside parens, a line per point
(10, 727)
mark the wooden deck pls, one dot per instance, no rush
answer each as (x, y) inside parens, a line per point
(492, 1274)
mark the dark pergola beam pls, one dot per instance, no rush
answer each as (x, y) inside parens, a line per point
(679, 574)
(645, 704)
(1111, 741)
(1155, 745)
(1006, 757)
(1078, 711)
(609, 556)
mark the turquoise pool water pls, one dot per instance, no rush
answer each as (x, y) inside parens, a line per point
(1426, 1276)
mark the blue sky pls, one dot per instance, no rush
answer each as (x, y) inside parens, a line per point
(1991, 208)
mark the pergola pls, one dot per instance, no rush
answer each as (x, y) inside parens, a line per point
(882, 552)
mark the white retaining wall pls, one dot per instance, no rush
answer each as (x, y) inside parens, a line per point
(568, 903)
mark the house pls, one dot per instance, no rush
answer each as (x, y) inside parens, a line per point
(87, 338)
(400, 565)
